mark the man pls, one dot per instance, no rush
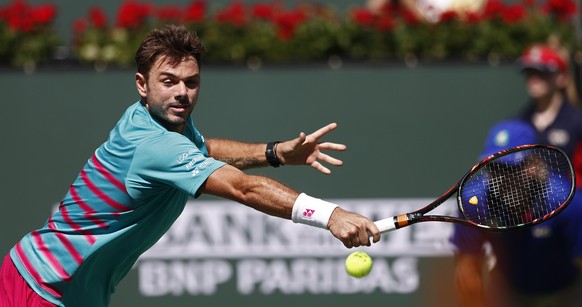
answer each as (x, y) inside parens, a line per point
(539, 266)
(137, 183)
(556, 121)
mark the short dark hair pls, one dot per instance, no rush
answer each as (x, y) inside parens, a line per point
(174, 42)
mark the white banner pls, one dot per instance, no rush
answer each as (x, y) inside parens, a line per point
(217, 242)
(224, 229)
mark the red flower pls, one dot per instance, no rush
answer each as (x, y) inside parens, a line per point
(513, 14)
(389, 8)
(385, 23)
(16, 7)
(43, 14)
(80, 25)
(263, 11)
(288, 21)
(20, 16)
(233, 13)
(472, 18)
(529, 2)
(97, 17)
(363, 17)
(562, 9)
(17, 15)
(132, 14)
(196, 11)
(448, 16)
(493, 9)
(21, 23)
(408, 17)
(169, 13)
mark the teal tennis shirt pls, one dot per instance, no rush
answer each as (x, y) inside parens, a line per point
(124, 199)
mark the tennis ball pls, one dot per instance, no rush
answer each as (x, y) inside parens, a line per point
(358, 264)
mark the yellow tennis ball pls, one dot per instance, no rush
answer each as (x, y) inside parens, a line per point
(358, 264)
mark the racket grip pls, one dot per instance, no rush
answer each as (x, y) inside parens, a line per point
(386, 225)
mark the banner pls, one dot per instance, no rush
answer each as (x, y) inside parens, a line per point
(215, 243)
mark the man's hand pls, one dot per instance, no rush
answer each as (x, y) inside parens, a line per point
(352, 229)
(306, 149)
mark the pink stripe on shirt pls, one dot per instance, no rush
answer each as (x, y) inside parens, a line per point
(33, 272)
(85, 207)
(70, 248)
(57, 266)
(110, 201)
(75, 226)
(108, 174)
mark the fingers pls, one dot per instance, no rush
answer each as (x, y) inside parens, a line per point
(318, 166)
(332, 146)
(302, 138)
(297, 142)
(363, 238)
(374, 232)
(353, 230)
(356, 240)
(329, 159)
(305, 149)
(323, 131)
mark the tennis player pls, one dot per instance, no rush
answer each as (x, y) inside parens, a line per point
(136, 184)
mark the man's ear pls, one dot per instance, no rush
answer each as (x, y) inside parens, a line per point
(141, 84)
(562, 80)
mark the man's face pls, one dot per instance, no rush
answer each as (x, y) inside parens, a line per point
(540, 84)
(170, 92)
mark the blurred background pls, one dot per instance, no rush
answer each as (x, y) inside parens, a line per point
(413, 99)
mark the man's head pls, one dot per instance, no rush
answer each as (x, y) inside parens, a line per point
(507, 134)
(543, 58)
(545, 69)
(168, 77)
(174, 42)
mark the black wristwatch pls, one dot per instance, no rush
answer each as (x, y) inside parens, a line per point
(271, 154)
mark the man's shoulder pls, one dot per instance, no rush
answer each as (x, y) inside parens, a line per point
(569, 108)
(570, 117)
(136, 124)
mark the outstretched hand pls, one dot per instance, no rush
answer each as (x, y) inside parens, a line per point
(352, 229)
(306, 149)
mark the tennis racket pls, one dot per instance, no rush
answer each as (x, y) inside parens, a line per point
(513, 188)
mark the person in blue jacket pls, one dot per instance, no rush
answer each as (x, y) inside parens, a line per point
(536, 266)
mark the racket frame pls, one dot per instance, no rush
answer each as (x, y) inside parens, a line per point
(406, 219)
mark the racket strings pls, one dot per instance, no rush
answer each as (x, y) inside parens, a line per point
(517, 188)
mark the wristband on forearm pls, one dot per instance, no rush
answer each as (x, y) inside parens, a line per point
(271, 154)
(312, 211)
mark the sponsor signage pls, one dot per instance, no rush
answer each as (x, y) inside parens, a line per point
(221, 242)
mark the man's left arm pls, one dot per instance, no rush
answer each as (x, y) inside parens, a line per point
(306, 149)
(238, 154)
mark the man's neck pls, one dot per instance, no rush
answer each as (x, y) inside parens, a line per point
(546, 111)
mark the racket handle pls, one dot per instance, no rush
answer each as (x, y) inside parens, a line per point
(386, 225)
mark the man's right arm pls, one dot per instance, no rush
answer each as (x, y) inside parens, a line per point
(469, 279)
(271, 197)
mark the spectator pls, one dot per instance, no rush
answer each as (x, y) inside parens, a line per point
(538, 266)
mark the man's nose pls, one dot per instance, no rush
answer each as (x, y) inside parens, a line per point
(181, 89)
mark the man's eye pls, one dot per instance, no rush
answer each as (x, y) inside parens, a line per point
(192, 83)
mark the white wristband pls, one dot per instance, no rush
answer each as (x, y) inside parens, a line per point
(312, 211)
